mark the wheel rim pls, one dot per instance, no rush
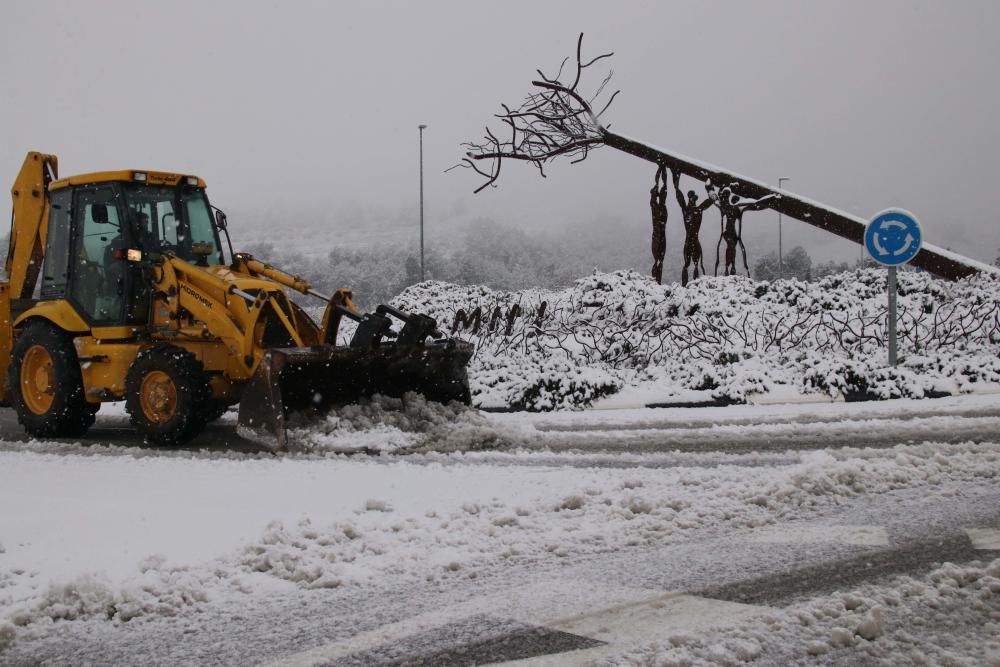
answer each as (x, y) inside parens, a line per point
(38, 380)
(158, 396)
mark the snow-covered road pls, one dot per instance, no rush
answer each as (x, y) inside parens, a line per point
(605, 535)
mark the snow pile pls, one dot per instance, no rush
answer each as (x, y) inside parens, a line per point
(159, 588)
(600, 512)
(933, 620)
(384, 424)
(542, 350)
(8, 633)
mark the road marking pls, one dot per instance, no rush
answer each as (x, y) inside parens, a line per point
(620, 616)
(365, 641)
(534, 604)
(986, 539)
(624, 626)
(867, 536)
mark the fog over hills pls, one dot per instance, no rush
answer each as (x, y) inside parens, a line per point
(303, 117)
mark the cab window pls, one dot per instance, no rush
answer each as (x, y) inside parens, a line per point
(55, 266)
(171, 219)
(199, 219)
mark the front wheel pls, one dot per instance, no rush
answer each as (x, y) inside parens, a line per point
(165, 392)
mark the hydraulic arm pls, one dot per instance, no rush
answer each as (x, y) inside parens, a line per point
(28, 228)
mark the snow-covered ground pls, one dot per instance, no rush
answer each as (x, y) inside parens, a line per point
(124, 535)
(401, 495)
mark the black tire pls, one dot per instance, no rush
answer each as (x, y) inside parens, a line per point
(68, 414)
(170, 421)
(213, 409)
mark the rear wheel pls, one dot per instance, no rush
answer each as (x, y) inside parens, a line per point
(166, 390)
(45, 384)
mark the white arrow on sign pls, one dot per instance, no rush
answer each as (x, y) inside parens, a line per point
(878, 246)
(906, 245)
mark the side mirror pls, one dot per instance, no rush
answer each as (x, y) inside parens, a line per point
(220, 220)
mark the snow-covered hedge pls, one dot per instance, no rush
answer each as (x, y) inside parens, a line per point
(542, 350)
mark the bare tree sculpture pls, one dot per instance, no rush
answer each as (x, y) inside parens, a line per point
(559, 119)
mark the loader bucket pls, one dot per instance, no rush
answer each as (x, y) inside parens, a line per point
(311, 380)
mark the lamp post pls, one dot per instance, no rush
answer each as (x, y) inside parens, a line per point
(421, 127)
(781, 257)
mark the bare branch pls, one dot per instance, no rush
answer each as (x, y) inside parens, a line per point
(610, 100)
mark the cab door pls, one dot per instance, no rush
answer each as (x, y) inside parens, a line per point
(98, 272)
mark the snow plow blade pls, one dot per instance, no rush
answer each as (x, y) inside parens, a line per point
(311, 380)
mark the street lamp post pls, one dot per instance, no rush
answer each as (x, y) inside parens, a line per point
(421, 127)
(781, 254)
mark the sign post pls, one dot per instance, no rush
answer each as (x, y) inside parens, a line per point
(892, 238)
(891, 286)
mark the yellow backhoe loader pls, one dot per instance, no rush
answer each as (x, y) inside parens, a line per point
(117, 288)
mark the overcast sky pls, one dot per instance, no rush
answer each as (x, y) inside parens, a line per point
(310, 109)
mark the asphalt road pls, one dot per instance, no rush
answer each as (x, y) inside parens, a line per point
(696, 435)
(114, 431)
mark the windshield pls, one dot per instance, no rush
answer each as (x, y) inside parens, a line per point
(166, 219)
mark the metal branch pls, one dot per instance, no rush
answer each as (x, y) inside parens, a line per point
(553, 121)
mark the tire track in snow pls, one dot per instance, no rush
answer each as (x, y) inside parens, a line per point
(790, 436)
(739, 444)
(814, 579)
(689, 422)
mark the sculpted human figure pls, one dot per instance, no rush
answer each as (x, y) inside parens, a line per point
(658, 209)
(692, 211)
(731, 207)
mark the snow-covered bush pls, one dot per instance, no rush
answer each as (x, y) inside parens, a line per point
(560, 384)
(856, 380)
(538, 384)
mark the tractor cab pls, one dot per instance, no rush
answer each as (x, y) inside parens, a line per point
(101, 225)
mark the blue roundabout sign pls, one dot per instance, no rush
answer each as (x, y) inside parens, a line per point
(893, 237)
